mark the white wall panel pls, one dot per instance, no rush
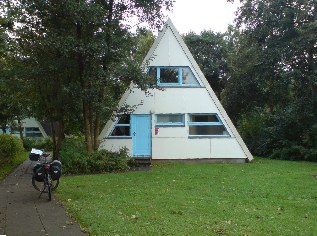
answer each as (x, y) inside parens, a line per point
(180, 148)
(226, 148)
(116, 144)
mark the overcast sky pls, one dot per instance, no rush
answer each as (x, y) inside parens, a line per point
(197, 15)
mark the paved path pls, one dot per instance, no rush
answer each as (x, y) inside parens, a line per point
(22, 212)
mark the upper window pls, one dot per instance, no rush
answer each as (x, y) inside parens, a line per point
(173, 76)
(170, 120)
(206, 125)
(122, 127)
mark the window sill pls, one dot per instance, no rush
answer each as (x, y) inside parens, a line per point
(180, 86)
(209, 136)
(119, 137)
(170, 125)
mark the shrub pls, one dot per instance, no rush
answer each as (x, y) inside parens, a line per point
(73, 155)
(39, 143)
(285, 133)
(293, 152)
(251, 127)
(105, 161)
(10, 148)
(76, 160)
(311, 154)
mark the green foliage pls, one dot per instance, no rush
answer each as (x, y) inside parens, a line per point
(306, 150)
(265, 197)
(210, 51)
(69, 53)
(273, 76)
(295, 152)
(285, 133)
(7, 168)
(10, 148)
(105, 161)
(13, 102)
(76, 160)
(73, 155)
(251, 127)
(310, 138)
(144, 39)
(38, 143)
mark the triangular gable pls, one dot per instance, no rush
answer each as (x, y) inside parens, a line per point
(169, 49)
(203, 79)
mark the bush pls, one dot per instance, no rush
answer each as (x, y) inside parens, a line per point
(288, 132)
(73, 155)
(295, 153)
(39, 143)
(76, 160)
(251, 127)
(105, 161)
(10, 148)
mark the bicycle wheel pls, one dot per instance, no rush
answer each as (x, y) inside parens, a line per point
(39, 186)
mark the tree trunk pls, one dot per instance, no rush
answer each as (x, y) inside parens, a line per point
(58, 129)
(87, 124)
(84, 87)
(96, 130)
(91, 125)
(310, 61)
(20, 128)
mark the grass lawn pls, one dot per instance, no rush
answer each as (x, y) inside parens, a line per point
(9, 167)
(267, 197)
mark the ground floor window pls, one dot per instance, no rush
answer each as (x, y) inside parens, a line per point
(170, 120)
(206, 125)
(33, 132)
(122, 127)
(198, 124)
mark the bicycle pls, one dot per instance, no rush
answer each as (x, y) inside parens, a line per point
(46, 174)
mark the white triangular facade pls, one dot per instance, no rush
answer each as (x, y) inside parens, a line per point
(31, 128)
(182, 121)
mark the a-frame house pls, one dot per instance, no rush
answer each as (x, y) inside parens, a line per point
(184, 120)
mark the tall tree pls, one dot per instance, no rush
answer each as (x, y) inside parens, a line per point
(278, 52)
(285, 32)
(12, 101)
(75, 52)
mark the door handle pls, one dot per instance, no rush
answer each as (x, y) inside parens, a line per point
(133, 133)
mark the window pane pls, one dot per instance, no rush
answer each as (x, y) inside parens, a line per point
(152, 72)
(121, 131)
(33, 135)
(188, 76)
(169, 75)
(207, 130)
(32, 129)
(169, 119)
(204, 118)
(15, 131)
(124, 119)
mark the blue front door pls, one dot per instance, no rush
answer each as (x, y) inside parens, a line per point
(141, 135)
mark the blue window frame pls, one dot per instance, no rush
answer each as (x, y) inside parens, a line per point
(170, 120)
(173, 76)
(206, 125)
(121, 128)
